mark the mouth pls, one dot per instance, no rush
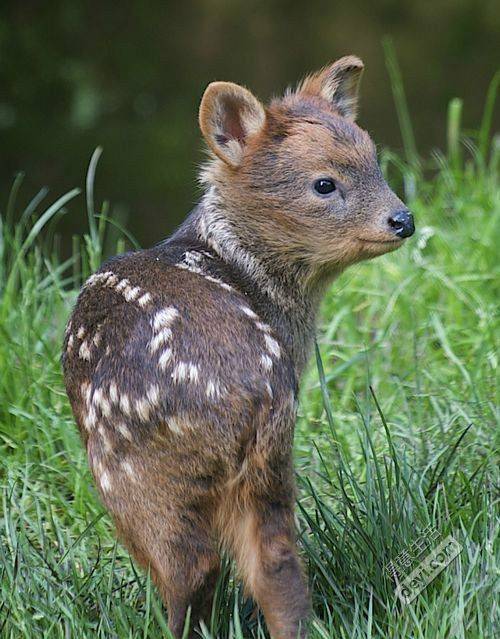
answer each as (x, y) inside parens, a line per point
(394, 242)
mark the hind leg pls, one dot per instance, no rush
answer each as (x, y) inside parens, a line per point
(183, 560)
(188, 582)
(162, 501)
(263, 543)
(166, 522)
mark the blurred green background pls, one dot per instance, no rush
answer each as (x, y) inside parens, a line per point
(129, 75)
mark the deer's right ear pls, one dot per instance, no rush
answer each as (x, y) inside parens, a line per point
(338, 84)
(229, 114)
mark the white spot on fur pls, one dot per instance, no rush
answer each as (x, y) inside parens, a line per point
(192, 257)
(90, 419)
(193, 373)
(153, 394)
(105, 407)
(159, 339)
(97, 338)
(269, 390)
(188, 267)
(267, 362)
(191, 261)
(249, 312)
(219, 282)
(113, 393)
(71, 341)
(86, 391)
(84, 352)
(142, 408)
(122, 285)
(102, 402)
(123, 429)
(185, 371)
(81, 332)
(144, 300)
(99, 277)
(105, 481)
(125, 403)
(165, 317)
(92, 280)
(265, 328)
(129, 469)
(272, 346)
(213, 389)
(179, 373)
(130, 294)
(112, 280)
(176, 425)
(105, 440)
(165, 358)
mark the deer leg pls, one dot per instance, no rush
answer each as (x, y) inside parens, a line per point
(177, 548)
(263, 543)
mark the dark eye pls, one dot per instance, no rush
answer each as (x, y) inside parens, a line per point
(324, 186)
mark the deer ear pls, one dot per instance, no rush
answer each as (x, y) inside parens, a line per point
(338, 83)
(229, 114)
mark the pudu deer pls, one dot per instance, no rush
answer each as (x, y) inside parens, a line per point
(182, 362)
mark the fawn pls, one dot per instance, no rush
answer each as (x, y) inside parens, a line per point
(182, 361)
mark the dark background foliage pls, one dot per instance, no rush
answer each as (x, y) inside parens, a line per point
(129, 75)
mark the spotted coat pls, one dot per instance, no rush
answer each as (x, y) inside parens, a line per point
(165, 349)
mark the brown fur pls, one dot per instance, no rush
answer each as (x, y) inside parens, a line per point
(182, 362)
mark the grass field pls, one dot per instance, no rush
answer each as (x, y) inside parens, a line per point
(395, 443)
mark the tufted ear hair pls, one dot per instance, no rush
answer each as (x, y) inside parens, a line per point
(337, 83)
(229, 115)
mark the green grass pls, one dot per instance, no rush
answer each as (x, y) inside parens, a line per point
(396, 429)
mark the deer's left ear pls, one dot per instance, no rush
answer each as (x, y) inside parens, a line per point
(339, 84)
(229, 114)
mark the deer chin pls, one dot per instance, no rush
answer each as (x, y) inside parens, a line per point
(380, 246)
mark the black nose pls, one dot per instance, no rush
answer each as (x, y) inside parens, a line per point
(402, 223)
